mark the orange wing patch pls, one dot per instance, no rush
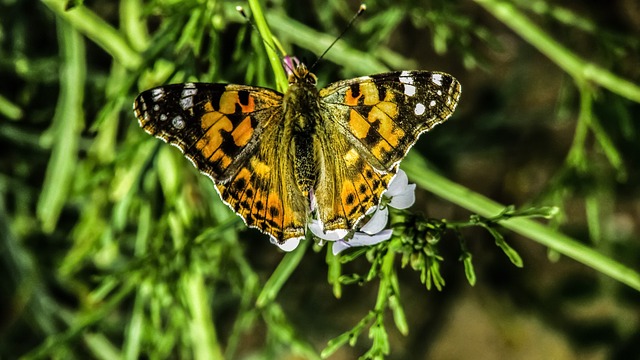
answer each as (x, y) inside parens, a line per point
(243, 132)
(387, 129)
(358, 125)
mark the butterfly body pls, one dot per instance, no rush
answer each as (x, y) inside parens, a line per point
(279, 159)
(303, 94)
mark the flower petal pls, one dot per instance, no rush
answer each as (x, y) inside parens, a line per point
(317, 229)
(377, 222)
(404, 199)
(397, 184)
(339, 246)
(361, 239)
(290, 63)
(288, 245)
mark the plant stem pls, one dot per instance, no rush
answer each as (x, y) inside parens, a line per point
(95, 28)
(579, 69)
(267, 37)
(418, 171)
(9, 109)
(317, 42)
(64, 134)
(280, 276)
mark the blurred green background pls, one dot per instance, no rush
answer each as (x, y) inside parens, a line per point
(113, 246)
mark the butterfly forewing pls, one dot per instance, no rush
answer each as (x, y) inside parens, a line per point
(383, 115)
(212, 124)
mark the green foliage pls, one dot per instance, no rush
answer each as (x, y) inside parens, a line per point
(114, 247)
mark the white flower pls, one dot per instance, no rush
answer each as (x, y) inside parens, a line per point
(361, 239)
(400, 195)
(337, 236)
(317, 229)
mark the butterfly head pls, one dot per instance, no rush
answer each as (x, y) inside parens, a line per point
(298, 72)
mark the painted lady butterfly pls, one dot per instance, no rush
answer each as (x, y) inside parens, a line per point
(277, 159)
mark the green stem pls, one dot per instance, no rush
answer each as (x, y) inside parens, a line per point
(9, 109)
(133, 24)
(282, 273)
(418, 171)
(386, 273)
(576, 157)
(98, 30)
(568, 61)
(203, 333)
(267, 37)
(64, 134)
(317, 42)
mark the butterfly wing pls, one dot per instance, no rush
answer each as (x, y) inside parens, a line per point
(383, 115)
(348, 185)
(233, 134)
(379, 118)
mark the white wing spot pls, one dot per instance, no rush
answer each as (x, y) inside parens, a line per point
(163, 117)
(420, 109)
(437, 79)
(177, 122)
(156, 107)
(439, 92)
(157, 94)
(432, 103)
(186, 102)
(409, 90)
(188, 91)
(406, 78)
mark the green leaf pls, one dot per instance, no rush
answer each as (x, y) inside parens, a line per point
(469, 271)
(398, 315)
(513, 256)
(336, 343)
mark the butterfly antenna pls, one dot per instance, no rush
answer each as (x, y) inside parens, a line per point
(361, 10)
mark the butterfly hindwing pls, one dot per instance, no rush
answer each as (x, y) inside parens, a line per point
(348, 186)
(263, 190)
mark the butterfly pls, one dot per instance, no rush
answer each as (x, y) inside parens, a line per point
(279, 160)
